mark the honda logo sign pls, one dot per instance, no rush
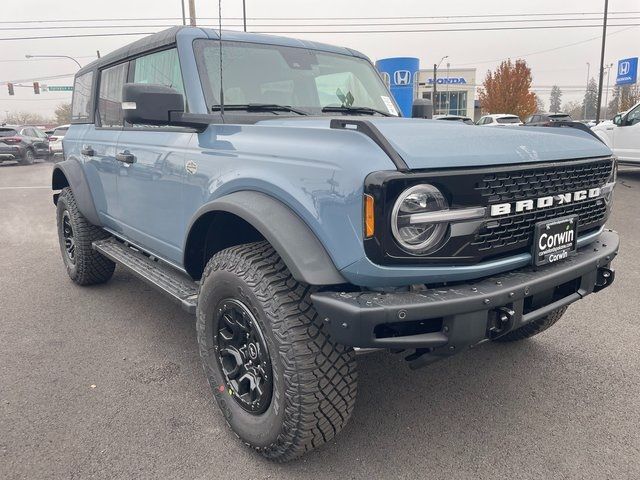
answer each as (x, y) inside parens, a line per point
(402, 77)
(627, 71)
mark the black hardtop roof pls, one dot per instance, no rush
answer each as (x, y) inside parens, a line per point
(167, 37)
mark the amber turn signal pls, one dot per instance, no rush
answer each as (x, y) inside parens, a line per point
(369, 223)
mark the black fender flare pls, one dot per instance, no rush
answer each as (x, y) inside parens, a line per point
(72, 171)
(299, 248)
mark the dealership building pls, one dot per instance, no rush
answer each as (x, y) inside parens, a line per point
(455, 87)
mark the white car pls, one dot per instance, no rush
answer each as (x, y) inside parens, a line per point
(622, 135)
(499, 120)
(55, 140)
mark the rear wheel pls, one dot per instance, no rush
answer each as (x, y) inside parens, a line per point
(84, 265)
(533, 328)
(282, 384)
(29, 157)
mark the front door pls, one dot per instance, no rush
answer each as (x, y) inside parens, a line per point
(626, 142)
(152, 168)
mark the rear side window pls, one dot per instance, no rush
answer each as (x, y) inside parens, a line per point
(7, 132)
(81, 105)
(508, 120)
(110, 96)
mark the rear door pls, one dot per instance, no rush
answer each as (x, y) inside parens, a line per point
(100, 142)
(151, 167)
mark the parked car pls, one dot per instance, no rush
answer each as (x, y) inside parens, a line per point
(455, 118)
(55, 140)
(541, 118)
(304, 219)
(22, 143)
(499, 120)
(622, 135)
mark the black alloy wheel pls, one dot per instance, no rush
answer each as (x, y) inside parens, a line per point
(243, 356)
(69, 240)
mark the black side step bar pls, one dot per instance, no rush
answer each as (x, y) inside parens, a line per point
(370, 130)
(168, 280)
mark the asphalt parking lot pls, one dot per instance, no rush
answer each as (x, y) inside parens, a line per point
(105, 382)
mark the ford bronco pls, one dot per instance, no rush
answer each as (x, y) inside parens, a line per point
(271, 187)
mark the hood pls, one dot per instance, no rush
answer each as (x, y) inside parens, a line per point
(436, 144)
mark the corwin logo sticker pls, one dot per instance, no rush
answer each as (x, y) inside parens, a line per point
(402, 77)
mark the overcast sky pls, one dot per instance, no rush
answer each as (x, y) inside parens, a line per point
(483, 50)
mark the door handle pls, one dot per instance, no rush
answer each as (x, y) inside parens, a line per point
(126, 157)
(88, 151)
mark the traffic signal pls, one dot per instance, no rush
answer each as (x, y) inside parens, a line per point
(36, 88)
(10, 86)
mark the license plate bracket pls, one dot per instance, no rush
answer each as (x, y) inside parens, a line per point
(555, 240)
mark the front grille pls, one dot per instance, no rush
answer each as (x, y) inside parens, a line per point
(539, 182)
(514, 232)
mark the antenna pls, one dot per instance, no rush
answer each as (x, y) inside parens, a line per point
(220, 44)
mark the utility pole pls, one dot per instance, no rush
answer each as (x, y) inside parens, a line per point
(244, 14)
(604, 39)
(192, 13)
(184, 16)
(435, 107)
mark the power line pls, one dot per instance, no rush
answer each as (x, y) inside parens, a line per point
(496, 15)
(449, 30)
(386, 24)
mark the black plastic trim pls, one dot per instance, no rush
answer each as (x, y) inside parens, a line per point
(465, 309)
(370, 130)
(74, 173)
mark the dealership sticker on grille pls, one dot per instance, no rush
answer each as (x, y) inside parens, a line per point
(555, 240)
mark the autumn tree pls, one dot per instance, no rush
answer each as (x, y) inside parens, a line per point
(573, 108)
(555, 99)
(508, 90)
(63, 113)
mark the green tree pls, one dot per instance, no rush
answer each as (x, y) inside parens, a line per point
(63, 113)
(590, 101)
(555, 99)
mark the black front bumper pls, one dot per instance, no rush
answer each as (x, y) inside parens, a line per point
(443, 321)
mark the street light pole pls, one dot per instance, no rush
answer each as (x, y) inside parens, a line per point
(606, 93)
(192, 13)
(184, 16)
(55, 56)
(244, 15)
(435, 74)
(604, 39)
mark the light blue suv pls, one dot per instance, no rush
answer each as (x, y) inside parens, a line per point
(270, 186)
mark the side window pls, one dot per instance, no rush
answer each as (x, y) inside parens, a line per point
(81, 105)
(39, 133)
(634, 116)
(110, 96)
(162, 68)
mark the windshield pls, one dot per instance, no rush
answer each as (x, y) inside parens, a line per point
(508, 120)
(7, 132)
(308, 80)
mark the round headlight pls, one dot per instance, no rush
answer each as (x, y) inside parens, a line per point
(413, 235)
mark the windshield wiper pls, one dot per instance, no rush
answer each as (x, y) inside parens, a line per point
(345, 109)
(259, 107)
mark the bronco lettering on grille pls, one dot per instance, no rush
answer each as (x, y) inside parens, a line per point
(543, 202)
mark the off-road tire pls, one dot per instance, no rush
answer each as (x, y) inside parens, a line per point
(28, 158)
(533, 328)
(314, 378)
(89, 267)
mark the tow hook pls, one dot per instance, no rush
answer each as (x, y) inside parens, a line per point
(502, 320)
(604, 279)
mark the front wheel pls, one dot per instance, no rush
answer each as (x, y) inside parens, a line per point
(28, 158)
(283, 385)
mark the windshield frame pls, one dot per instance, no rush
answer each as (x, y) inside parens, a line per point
(211, 99)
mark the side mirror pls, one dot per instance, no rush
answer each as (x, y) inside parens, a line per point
(422, 108)
(150, 104)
